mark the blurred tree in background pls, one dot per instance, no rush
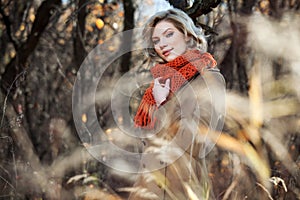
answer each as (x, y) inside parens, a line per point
(43, 44)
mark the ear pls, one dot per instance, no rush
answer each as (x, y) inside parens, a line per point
(187, 38)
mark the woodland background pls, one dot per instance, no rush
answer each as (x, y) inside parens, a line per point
(42, 46)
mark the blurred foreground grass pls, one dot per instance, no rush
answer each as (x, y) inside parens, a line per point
(257, 154)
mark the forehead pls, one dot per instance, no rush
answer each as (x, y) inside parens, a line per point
(161, 27)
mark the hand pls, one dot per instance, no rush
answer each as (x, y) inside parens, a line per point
(160, 91)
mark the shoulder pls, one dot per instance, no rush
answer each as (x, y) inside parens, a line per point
(209, 76)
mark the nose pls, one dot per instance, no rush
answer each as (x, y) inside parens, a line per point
(162, 45)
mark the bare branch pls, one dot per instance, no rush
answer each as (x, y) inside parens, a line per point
(18, 63)
(7, 23)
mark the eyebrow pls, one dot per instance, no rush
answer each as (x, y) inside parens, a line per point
(164, 32)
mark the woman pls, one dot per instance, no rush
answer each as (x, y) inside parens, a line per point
(171, 107)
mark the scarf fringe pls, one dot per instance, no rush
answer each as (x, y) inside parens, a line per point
(145, 114)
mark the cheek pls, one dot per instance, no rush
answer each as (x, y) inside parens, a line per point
(182, 40)
(157, 50)
(173, 41)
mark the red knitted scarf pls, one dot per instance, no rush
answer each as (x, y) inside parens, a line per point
(180, 70)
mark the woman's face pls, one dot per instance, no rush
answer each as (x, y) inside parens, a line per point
(168, 41)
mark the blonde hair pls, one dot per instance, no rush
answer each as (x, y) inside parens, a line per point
(182, 22)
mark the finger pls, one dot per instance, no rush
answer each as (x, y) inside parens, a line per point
(167, 83)
(156, 81)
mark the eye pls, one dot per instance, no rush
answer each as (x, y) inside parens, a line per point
(170, 34)
(155, 42)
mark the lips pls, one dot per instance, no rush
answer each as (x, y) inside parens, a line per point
(167, 52)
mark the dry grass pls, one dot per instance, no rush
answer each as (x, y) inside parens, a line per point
(261, 134)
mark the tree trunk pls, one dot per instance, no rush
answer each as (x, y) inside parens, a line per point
(79, 49)
(128, 25)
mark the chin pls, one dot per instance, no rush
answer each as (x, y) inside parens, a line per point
(170, 58)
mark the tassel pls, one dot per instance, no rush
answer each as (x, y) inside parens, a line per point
(144, 117)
